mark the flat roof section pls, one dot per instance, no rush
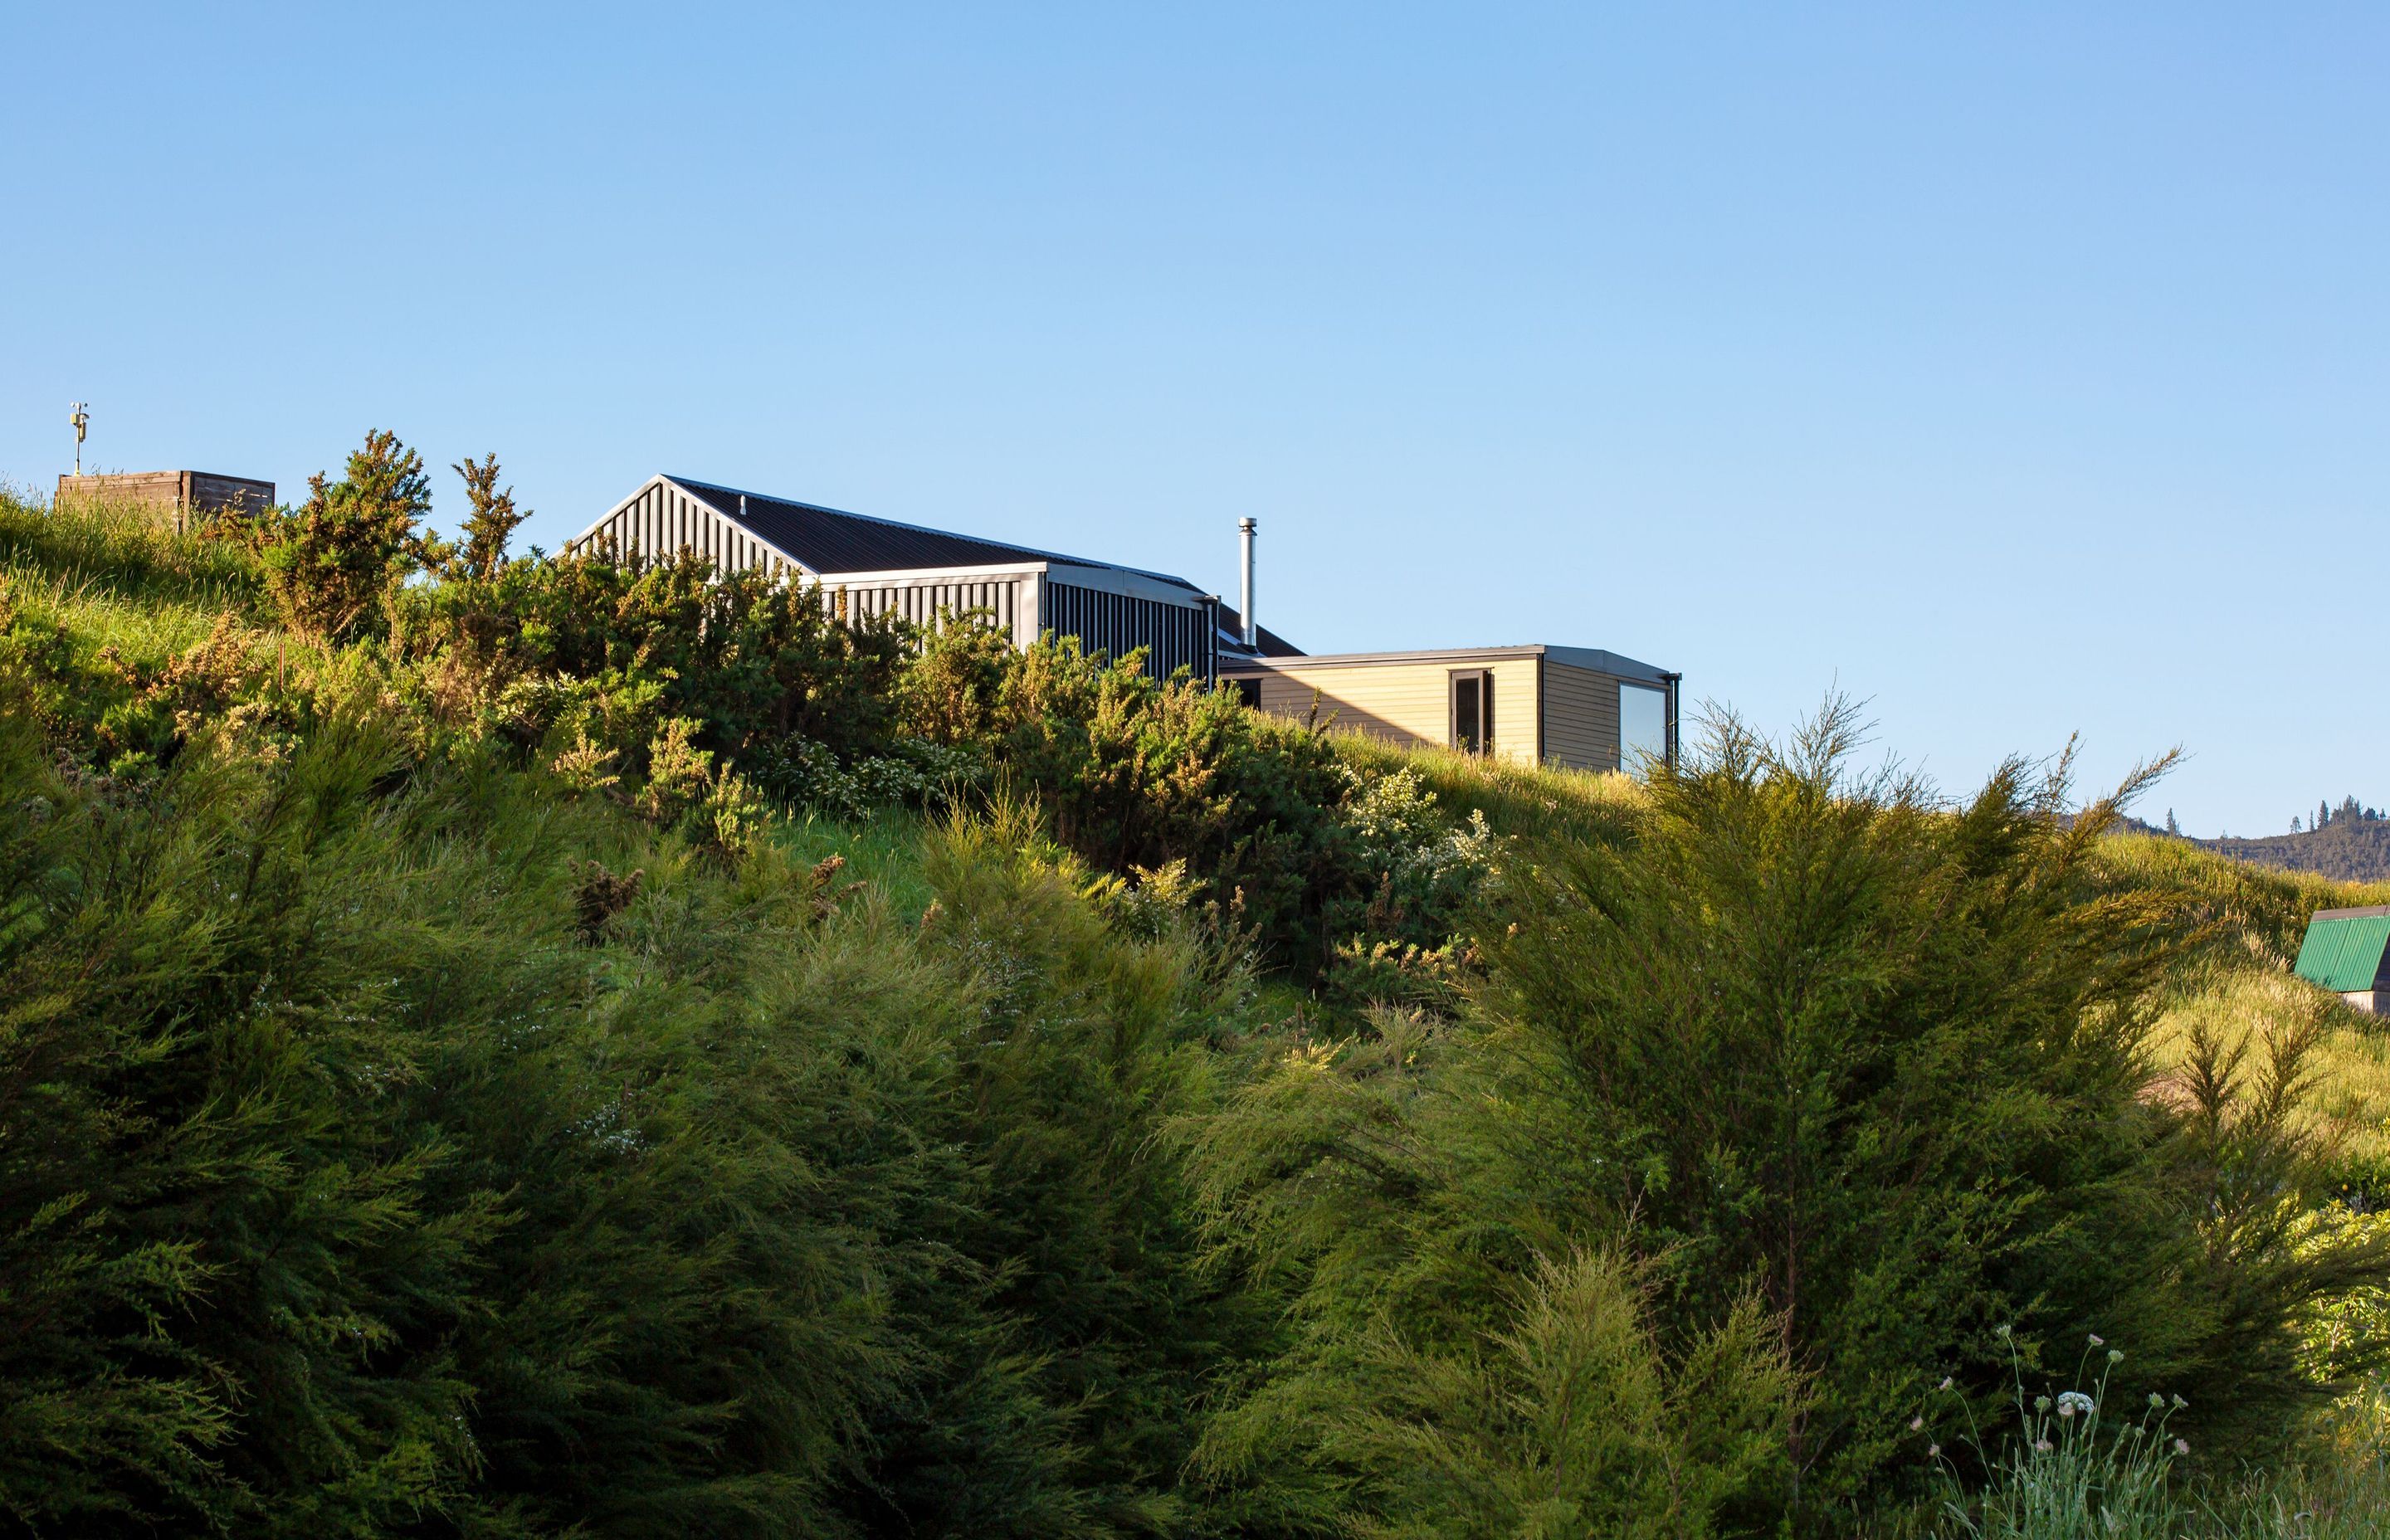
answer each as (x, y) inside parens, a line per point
(1591, 657)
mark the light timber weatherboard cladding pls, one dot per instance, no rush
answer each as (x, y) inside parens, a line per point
(1403, 702)
(1550, 705)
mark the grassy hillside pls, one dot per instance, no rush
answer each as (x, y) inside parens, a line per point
(531, 1049)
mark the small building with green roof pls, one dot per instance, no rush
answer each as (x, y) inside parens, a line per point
(2347, 951)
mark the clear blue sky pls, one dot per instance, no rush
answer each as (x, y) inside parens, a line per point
(2025, 371)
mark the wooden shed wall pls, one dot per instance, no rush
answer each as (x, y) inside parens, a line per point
(181, 493)
(1407, 703)
(1580, 717)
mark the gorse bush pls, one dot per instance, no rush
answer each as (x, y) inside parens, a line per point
(332, 564)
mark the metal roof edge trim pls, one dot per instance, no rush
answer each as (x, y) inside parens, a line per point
(1577, 657)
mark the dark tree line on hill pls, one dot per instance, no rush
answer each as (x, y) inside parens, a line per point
(2347, 843)
(2348, 849)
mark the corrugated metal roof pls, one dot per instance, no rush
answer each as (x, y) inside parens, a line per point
(830, 540)
(2343, 954)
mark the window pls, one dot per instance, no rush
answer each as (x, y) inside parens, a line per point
(1642, 727)
(1472, 711)
(1249, 691)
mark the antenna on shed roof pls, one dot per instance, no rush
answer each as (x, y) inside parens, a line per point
(79, 415)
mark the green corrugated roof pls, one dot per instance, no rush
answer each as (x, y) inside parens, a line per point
(2344, 954)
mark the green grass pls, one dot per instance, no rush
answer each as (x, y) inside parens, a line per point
(882, 852)
(1530, 803)
(120, 549)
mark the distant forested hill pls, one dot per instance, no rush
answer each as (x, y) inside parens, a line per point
(2349, 843)
(2352, 849)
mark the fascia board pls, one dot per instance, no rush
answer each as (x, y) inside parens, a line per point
(1125, 580)
(898, 577)
(1380, 660)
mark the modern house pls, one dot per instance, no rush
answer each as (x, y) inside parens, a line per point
(875, 565)
(1538, 705)
(177, 496)
(1534, 704)
(2347, 951)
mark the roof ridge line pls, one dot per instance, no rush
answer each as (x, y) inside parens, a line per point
(699, 488)
(876, 519)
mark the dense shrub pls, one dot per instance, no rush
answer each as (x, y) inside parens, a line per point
(347, 1188)
(1817, 1043)
(1885, 1062)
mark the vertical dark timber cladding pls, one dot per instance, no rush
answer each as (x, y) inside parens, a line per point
(1174, 635)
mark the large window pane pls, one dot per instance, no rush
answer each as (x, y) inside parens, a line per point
(1642, 727)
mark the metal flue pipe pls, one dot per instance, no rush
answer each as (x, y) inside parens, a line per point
(1245, 592)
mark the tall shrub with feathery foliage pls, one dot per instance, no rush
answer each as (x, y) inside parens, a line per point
(332, 564)
(1811, 1043)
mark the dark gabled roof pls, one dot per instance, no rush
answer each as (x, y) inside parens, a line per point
(1232, 638)
(829, 540)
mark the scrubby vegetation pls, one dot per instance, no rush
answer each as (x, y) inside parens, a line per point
(578, 1046)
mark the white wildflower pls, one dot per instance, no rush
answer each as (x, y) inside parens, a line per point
(2041, 1446)
(2002, 1332)
(2098, 1340)
(2115, 1356)
(1916, 1424)
(2182, 1448)
(2156, 1400)
(1932, 1451)
(1946, 1383)
(2072, 1401)
(2179, 1403)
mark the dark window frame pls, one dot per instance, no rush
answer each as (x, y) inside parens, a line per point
(1475, 737)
